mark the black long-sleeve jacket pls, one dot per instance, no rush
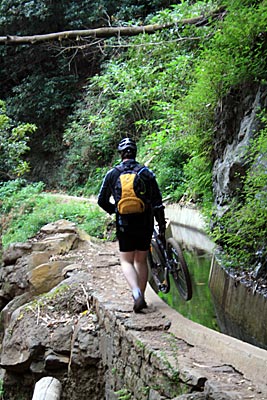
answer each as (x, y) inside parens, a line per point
(153, 194)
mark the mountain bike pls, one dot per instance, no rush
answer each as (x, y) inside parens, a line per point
(165, 260)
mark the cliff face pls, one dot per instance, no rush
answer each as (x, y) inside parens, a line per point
(236, 124)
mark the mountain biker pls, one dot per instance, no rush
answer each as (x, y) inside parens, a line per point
(134, 231)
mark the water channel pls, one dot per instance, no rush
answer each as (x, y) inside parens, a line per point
(200, 308)
(232, 300)
(188, 228)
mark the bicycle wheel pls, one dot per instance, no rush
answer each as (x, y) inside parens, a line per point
(179, 269)
(158, 280)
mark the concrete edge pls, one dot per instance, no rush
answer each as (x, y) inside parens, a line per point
(249, 360)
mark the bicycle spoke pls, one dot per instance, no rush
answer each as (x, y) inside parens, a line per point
(157, 267)
(179, 269)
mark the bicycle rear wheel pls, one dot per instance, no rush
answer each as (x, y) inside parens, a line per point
(159, 280)
(179, 269)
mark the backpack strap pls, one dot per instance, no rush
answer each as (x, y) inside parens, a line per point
(141, 169)
(119, 168)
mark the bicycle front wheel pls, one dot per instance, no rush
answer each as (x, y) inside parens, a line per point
(179, 269)
(159, 280)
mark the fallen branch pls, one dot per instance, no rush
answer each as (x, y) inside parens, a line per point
(86, 297)
(105, 32)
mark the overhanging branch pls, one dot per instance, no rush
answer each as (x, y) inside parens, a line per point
(104, 32)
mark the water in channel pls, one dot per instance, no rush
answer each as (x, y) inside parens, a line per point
(200, 308)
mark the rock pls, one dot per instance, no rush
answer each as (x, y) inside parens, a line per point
(59, 243)
(51, 332)
(15, 251)
(71, 269)
(46, 276)
(60, 226)
(154, 395)
(37, 264)
(85, 350)
(12, 306)
(192, 396)
(47, 388)
(83, 331)
(56, 361)
(37, 258)
(237, 121)
(61, 341)
(13, 280)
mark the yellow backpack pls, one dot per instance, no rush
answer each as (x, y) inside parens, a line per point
(130, 189)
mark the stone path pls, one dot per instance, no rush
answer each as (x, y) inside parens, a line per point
(204, 366)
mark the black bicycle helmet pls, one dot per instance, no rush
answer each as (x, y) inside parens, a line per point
(127, 144)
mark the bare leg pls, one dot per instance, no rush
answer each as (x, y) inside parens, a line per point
(140, 263)
(128, 269)
(134, 267)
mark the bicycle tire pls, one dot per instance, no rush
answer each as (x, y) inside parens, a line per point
(179, 269)
(157, 268)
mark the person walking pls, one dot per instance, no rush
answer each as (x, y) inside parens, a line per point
(134, 230)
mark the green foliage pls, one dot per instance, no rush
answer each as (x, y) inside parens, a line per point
(160, 89)
(53, 98)
(197, 174)
(14, 194)
(2, 389)
(171, 179)
(13, 146)
(123, 394)
(163, 92)
(25, 209)
(41, 83)
(137, 94)
(46, 15)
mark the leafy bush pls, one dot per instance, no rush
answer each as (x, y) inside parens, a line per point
(14, 194)
(52, 100)
(13, 146)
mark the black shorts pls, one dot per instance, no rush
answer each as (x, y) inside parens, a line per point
(129, 241)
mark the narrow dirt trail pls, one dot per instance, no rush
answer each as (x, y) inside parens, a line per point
(67, 198)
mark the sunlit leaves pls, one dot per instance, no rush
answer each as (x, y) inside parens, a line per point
(13, 145)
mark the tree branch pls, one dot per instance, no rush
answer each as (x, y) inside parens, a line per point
(104, 32)
(3, 173)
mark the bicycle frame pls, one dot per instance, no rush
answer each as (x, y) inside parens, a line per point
(168, 259)
(165, 286)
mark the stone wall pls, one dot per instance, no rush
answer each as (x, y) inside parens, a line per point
(241, 310)
(140, 357)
